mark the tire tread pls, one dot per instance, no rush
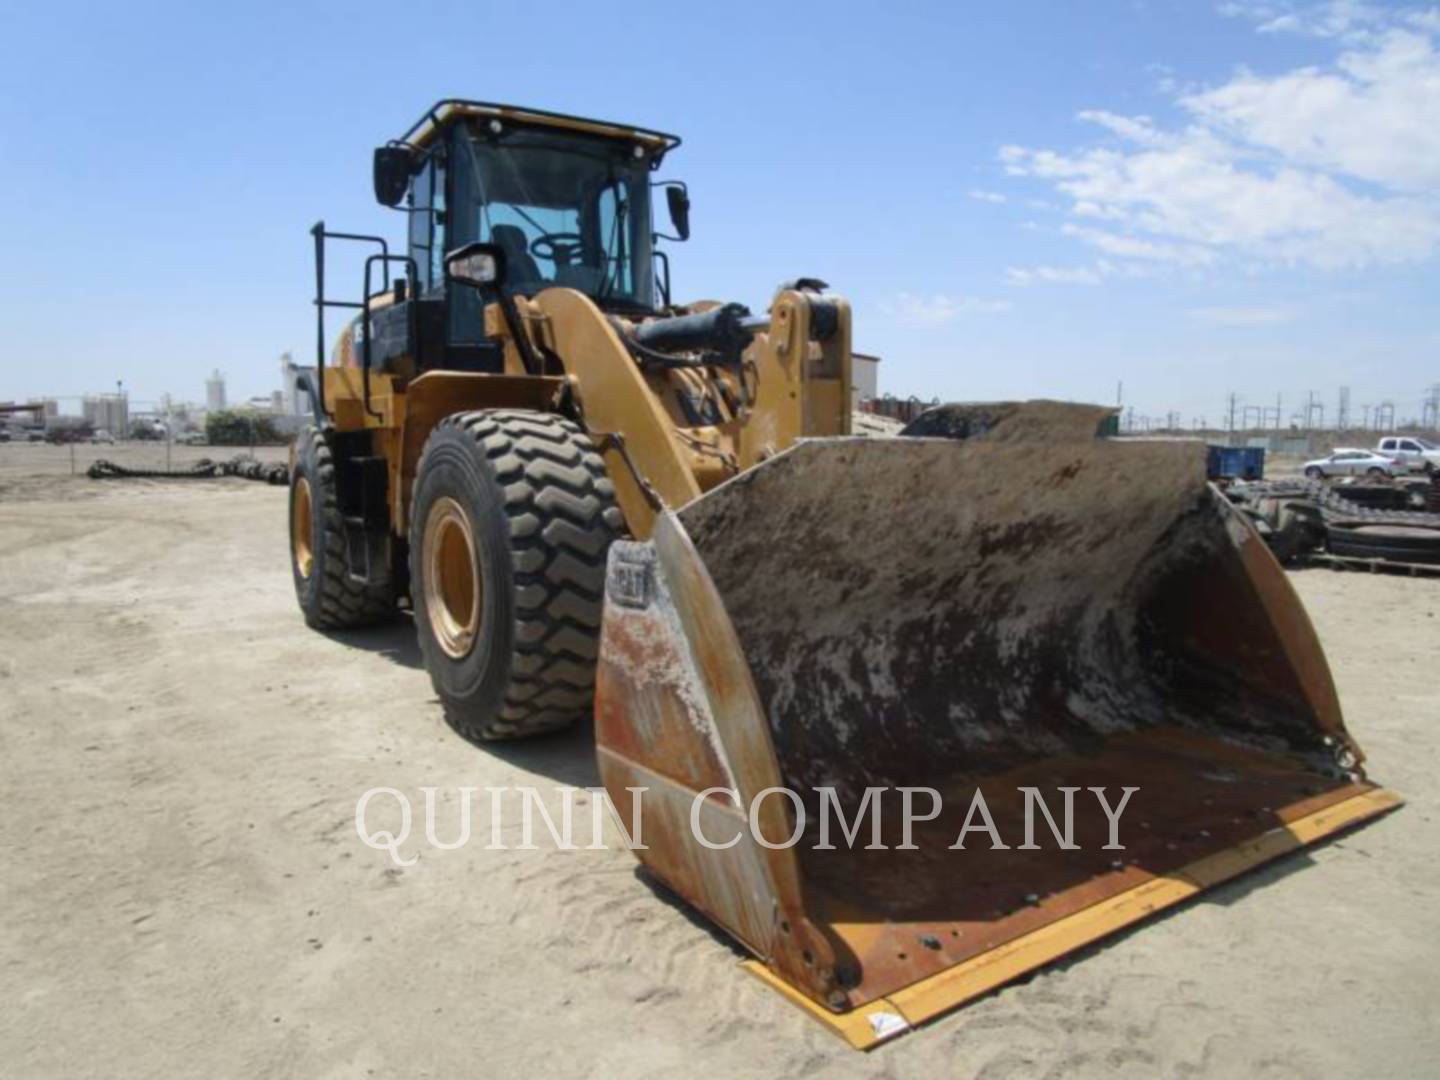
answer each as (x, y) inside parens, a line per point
(561, 517)
(341, 602)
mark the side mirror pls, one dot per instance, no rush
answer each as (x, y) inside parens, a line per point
(477, 264)
(678, 200)
(392, 174)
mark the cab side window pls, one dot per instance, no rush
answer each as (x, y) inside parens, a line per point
(613, 211)
(427, 226)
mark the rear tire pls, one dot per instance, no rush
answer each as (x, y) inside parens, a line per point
(511, 520)
(329, 597)
(1375, 472)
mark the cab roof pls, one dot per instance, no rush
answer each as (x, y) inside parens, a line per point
(446, 112)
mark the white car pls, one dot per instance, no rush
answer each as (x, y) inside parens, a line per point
(1415, 453)
(1350, 462)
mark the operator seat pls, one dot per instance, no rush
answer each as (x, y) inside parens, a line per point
(521, 268)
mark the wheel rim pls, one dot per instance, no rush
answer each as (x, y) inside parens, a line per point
(452, 585)
(302, 529)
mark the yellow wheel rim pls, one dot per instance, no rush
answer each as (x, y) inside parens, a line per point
(452, 579)
(302, 529)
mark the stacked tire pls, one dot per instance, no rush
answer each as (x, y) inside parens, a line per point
(1416, 544)
(1376, 496)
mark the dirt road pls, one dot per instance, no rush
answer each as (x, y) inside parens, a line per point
(185, 892)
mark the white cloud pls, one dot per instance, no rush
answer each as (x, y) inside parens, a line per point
(1164, 76)
(1195, 193)
(1374, 117)
(1334, 167)
(1135, 247)
(1327, 19)
(1137, 129)
(1053, 275)
(986, 196)
(1243, 316)
(937, 309)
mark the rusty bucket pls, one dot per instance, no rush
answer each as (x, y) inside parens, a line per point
(1013, 618)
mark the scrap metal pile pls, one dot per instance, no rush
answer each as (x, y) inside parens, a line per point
(242, 465)
(1396, 524)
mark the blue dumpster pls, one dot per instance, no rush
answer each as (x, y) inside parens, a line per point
(1235, 462)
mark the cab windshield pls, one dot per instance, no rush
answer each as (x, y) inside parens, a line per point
(568, 210)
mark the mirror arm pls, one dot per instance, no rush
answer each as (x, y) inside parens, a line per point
(523, 344)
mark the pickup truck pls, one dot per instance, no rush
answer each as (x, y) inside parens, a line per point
(1415, 453)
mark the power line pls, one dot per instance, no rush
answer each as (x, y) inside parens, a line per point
(1430, 413)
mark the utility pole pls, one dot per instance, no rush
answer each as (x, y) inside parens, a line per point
(1430, 415)
(1342, 415)
(1230, 415)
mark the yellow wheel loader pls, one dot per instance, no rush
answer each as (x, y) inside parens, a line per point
(598, 501)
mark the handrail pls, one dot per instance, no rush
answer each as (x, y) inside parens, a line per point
(385, 259)
(320, 235)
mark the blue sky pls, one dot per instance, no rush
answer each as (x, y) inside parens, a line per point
(1020, 200)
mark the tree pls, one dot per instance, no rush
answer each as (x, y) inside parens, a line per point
(232, 427)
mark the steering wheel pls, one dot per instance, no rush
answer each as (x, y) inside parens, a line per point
(558, 247)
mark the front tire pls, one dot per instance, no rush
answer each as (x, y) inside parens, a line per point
(1314, 472)
(511, 520)
(329, 597)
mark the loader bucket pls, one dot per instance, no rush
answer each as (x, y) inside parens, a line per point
(1022, 609)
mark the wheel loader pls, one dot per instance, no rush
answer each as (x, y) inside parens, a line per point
(598, 501)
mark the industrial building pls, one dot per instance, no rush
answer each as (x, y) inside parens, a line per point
(215, 392)
(107, 412)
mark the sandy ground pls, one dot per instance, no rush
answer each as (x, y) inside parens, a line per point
(184, 891)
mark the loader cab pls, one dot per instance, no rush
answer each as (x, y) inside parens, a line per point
(568, 209)
(567, 200)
